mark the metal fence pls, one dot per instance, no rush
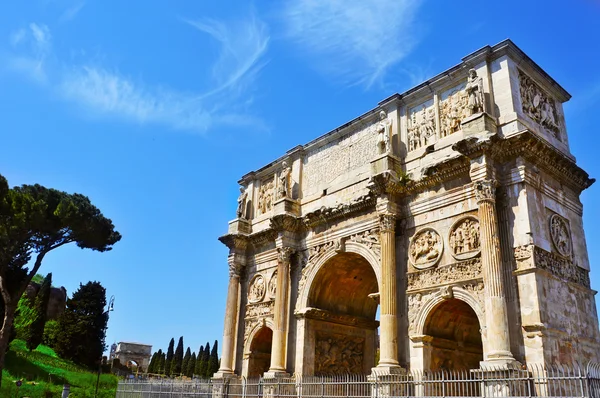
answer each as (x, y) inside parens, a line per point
(533, 381)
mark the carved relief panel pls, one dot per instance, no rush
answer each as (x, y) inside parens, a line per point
(337, 354)
(272, 287)
(422, 130)
(453, 109)
(538, 105)
(256, 289)
(265, 196)
(464, 238)
(425, 248)
(561, 235)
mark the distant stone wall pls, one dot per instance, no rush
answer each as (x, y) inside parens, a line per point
(57, 302)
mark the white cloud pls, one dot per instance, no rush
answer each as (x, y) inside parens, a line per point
(108, 93)
(243, 46)
(71, 12)
(355, 41)
(31, 61)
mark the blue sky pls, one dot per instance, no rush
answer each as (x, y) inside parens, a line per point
(155, 109)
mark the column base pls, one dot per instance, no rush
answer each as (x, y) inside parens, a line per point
(275, 374)
(504, 363)
(387, 370)
(224, 374)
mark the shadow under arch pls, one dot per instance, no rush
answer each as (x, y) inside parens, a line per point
(257, 350)
(452, 321)
(339, 316)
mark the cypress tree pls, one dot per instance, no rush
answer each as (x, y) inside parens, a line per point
(199, 361)
(83, 326)
(36, 332)
(177, 358)
(169, 357)
(152, 363)
(186, 361)
(213, 362)
(204, 362)
(191, 366)
(161, 364)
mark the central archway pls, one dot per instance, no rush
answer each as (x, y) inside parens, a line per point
(456, 337)
(341, 316)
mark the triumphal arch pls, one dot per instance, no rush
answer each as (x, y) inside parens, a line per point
(440, 230)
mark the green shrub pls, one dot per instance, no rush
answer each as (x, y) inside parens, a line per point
(51, 330)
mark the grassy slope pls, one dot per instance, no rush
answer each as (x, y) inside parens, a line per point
(43, 371)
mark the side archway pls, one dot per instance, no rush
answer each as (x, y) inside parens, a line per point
(257, 349)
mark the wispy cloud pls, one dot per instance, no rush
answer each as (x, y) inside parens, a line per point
(243, 47)
(355, 41)
(32, 60)
(104, 92)
(71, 12)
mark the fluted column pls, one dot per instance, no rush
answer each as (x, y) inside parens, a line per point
(496, 314)
(231, 316)
(388, 348)
(279, 347)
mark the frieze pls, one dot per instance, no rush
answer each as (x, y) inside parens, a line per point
(341, 319)
(258, 310)
(370, 239)
(425, 248)
(559, 266)
(538, 105)
(561, 235)
(337, 354)
(328, 214)
(452, 273)
(256, 291)
(464, 238)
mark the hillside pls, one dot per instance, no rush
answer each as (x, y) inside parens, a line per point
(44, 373)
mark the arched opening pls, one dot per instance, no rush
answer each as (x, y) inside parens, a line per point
(260, 352)
(456, 337)
(341, 317)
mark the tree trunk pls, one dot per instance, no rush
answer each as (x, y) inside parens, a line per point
(9, 315)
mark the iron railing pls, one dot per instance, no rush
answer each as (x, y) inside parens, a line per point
(533, 381)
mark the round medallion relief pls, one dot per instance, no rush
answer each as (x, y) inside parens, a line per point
(272, 288)
(561, 235)
(257, 288)
(425, 248)
(464, 238)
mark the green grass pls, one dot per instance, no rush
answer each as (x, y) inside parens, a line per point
(44, 373)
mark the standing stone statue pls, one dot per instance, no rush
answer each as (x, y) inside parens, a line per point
(242, 202)
(284, 181)
(474, 89)
(383, 133)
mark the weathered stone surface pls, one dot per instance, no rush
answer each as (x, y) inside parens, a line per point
(454, 207)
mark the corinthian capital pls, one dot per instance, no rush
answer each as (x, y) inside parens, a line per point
(235, 268)
(284, 254)
(485, 190)
(387, 222)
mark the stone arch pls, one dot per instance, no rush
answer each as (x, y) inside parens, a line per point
(350, 247)
(441, 296)
(257, 349)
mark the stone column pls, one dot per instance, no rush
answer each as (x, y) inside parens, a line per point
(231, 317)
(279, 347)
(496, 314)
(388, 352)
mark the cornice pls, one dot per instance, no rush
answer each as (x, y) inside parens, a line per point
(325, 215)
(286, 222)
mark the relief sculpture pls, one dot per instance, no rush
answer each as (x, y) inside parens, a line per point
(464, 238)
(453, 109)
(425, 248)
(256, 292)
(265, 197)
(272, 288)
(538, 105)
(561, 236)
(337, 354)
(422, 126)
